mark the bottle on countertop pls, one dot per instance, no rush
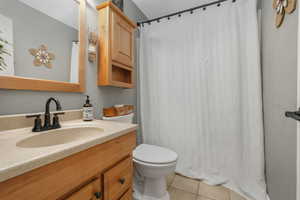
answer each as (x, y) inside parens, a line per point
(88, 110)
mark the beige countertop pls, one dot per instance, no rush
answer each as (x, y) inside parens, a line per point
(15, 160)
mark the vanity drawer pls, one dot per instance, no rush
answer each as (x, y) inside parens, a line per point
(90, 191)
(118, 179)
(127, 195)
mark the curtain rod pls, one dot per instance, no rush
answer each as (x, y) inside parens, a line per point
(191, 10)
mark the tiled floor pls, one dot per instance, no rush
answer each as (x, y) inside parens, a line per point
(182, 188)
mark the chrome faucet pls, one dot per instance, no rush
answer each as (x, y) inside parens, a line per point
(47, 122)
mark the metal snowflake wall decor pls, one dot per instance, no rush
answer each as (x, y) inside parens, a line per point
(282, 7)
(42, 56)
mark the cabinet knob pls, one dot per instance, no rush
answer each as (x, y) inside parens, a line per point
(122, 180)
(98, 195)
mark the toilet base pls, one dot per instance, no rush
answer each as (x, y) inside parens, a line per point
(138, 196)
(153, 189)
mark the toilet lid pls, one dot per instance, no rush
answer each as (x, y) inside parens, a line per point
(154, 154)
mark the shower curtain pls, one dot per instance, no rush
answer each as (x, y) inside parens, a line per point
(74, 63)
(200, 94)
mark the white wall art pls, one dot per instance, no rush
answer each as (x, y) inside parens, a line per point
(6, 46)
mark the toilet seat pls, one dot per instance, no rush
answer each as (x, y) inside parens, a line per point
(154, 155)
(153, 164)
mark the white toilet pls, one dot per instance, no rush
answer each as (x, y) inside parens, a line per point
(152, 165)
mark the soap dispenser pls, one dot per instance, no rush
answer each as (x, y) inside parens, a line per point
(88, 111)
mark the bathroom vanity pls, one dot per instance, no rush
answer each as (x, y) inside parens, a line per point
(83, 161)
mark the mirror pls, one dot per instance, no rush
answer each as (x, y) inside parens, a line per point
(42, 45)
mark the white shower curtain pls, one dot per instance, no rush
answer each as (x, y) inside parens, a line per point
(74, 63)
(200, 94)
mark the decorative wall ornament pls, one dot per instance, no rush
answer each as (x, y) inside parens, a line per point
(6, 46)
(42, 56)
(282, 7)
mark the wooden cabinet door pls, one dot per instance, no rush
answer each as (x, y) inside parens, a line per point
(122, 41)
(118, 180)
(91, 191)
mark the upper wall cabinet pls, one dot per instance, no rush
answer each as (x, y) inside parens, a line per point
(122, 41)
(116, 60)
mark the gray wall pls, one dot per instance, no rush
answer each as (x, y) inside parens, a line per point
(32, 28)
(279, 63)
(12, 102)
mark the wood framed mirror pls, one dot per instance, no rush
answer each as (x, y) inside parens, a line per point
(32, 52)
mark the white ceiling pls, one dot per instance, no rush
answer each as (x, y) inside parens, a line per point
(65, 11)
(157, 8)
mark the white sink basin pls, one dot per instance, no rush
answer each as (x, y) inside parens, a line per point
(59, 136)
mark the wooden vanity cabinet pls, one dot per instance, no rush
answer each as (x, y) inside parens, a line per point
(127, 195)
(118, 179)
(116, 47)
(102, 172)
(91, 191)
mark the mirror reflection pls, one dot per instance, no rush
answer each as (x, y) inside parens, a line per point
(39, 39)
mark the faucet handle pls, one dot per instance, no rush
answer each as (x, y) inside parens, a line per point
(33, 115)
(56, 123)
(58, 113)
(37, 122)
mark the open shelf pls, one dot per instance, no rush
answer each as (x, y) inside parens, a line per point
(122, 75)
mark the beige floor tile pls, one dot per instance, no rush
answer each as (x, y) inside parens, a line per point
(176, 194)
(170, 179)
(235, 196)
(186, 184)
(214, 192)
(202, 198)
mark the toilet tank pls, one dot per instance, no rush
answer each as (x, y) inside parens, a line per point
(124, 119)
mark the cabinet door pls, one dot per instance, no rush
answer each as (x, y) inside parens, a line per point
(122, 41)
(91, 191)
(118, 180)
